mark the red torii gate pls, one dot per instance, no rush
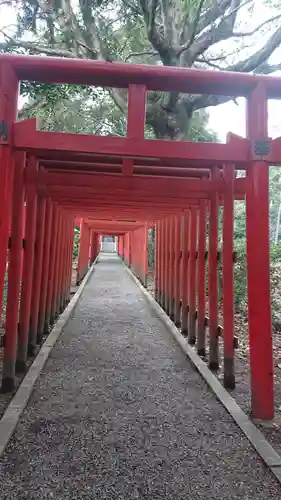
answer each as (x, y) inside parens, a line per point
(171, 183)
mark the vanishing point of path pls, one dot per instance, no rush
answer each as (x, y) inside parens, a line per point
(119, 413)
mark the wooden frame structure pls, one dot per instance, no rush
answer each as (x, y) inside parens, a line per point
(124, 185)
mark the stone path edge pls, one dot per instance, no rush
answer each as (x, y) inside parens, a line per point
(14, 410)
(257, 439)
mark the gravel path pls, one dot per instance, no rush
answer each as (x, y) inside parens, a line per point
(119, 414)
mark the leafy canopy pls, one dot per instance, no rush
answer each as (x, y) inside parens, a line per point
(217, 34)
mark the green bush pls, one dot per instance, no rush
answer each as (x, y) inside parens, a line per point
(76, 242)
(151, 246)
(240, 280)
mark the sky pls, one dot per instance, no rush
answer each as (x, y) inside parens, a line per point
(231, 118)
(228, 117)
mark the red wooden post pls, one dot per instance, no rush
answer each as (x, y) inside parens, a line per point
(130, 249)
(125, 248)
(177, 282)
(136, 252)
(168, 261)
(86, 250)
(53, 246)
(227, 278)
(161, 262)
(65, 263)
(61, 264)
(37, 274)
(166, 265)
(145, 255)
(9, 88)
(96, 245)
(174, 267)
(136, 111)
(69, 259)
(201, 277)
(93, 246)
(157, 261)
(160, 252)
(171, 268)
(28, 266)
(139, 254)
(54, 310)
(136, 249)
(80, 250)
(63, 267)
(213, 279)
(82, 265)
(14, 278)
(45, 269)
(192, 277)
(122, 246)
(258, 265)
(185, 272)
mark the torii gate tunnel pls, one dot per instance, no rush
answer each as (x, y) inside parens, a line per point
(124, 185)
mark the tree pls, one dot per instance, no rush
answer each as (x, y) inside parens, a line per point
(189, 33)
(78, 109)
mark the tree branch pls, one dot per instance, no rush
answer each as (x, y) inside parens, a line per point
(216, 34)
(131, 6)
(118, 99)
(31, 109)
(168, 17)
(92, 31)
(231, 17)
(71, 22)
(267, 69)
(259, 27)
(212, 14)
(202, 60)
(33, 47)
(151, 23)
(218, 57)
(191, 32)
(149, 18)
(254, 61)
(138, 54)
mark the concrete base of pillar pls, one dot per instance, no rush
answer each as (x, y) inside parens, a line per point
(20, 366)
(8, 385)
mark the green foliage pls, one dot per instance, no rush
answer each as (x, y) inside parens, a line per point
(151, 247)
(275, 200)
(240, 281)
(240, 276)
(186, 33)
(90, 110)
(76, 243)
